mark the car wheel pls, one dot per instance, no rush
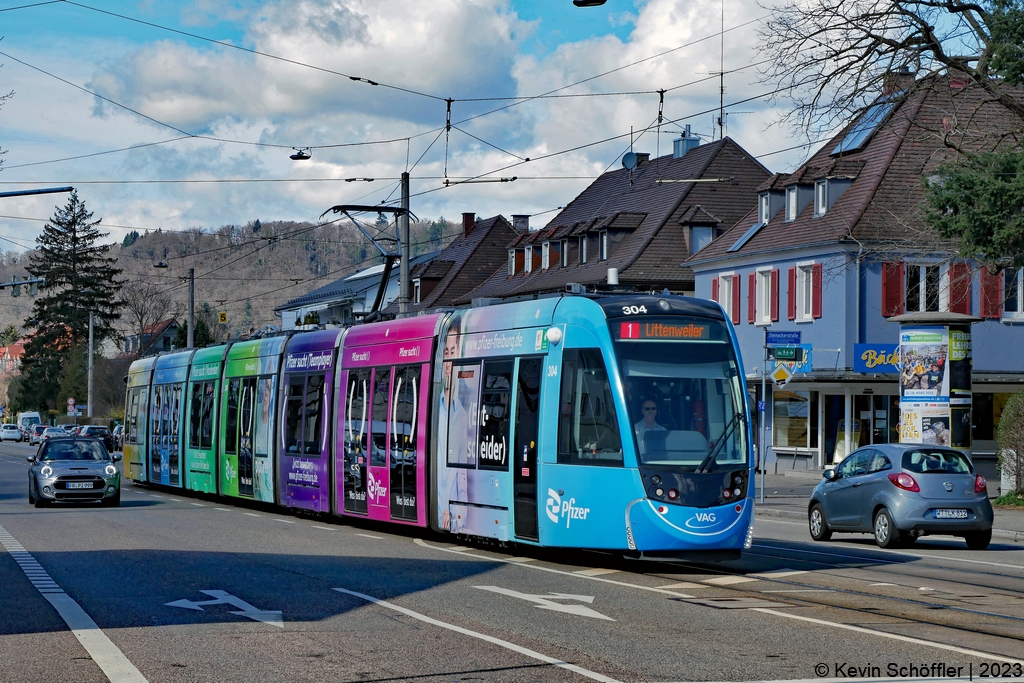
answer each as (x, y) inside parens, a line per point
(817, 525)
(114, 501)
(886, 533)
(40, 503)
(31, 498)
(978, 540)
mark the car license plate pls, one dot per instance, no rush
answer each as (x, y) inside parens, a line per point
(951, 514)
(79, 484)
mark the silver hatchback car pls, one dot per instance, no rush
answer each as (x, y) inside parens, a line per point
(73, 470)
(900, 492)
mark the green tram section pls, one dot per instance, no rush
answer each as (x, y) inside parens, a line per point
(136, 418)
(202, 407)
(246, 420)
(166, 418)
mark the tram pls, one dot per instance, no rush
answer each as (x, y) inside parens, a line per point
(599, 421)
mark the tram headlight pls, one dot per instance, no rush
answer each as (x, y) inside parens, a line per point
(659, 492)
(554, 335)
(656, 480)
(673, 494)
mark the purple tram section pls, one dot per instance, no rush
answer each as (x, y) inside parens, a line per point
(383, 427)
(304, 445)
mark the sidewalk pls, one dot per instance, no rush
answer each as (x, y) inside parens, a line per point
(787, 496)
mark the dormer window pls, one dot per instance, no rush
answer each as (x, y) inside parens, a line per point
(564, 247)
(545, 258)
(511, 262)
(604, 245)
(528, 261)
(762, 209)
(583, 249)
(791, 203)
(416, 291)
(554, 254)
(820, 197)
(700, 237)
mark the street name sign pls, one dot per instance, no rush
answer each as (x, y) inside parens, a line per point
(782, 338)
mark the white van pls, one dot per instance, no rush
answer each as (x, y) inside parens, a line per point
(26, 421)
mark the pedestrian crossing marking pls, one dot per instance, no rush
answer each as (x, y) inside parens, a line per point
(728, 580)
(596, 572)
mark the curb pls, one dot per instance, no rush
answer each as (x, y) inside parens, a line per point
(1015, 536)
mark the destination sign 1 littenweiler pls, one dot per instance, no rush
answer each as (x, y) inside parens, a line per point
(662, 330)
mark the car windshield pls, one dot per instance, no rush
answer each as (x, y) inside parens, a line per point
(682, 385)
(935, 461)
(74, 450)
(40, 429)
(96, 430)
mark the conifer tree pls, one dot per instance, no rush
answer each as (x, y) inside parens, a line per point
(80, 277)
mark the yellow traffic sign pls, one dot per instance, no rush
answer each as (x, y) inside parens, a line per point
(222, 317)
(781, 376)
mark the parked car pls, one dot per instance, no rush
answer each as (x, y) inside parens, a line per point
(53, 433)
(71, 430)
(98, 432)
(10, 432)
(118, 435)
(35, 434)
(73, 470)
(900, 492)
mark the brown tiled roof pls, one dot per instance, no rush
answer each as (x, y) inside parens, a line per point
(466, 262)
(436, 269)
(697, 214)
(777, 181)
(884, 204)
(651, 253)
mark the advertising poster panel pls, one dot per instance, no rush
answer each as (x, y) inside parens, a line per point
(935, 385)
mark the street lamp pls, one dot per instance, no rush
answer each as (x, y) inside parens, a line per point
(191, 331)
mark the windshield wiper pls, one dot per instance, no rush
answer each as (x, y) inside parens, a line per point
(709, 459)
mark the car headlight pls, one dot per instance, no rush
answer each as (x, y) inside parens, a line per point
(46, 471)
(111, 470)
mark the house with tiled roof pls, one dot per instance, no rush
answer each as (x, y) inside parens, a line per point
(839, 251)
(461, 266)
(155, 338)
(641, 222)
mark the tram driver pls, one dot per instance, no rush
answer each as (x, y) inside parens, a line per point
(648, 422)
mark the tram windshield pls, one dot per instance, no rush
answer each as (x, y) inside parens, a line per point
(683, 392)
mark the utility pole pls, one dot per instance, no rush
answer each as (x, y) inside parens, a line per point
(191, 309)
(88, 408)
(403, 236)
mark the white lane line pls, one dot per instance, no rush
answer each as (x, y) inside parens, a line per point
(285, 521)
(883, 584)
(779, 573)
(379, 538)
(596, 572)
(521, 559)
(892, 636)
(107, 656)
(176, 500)
(325, 528)
(727, 580)
(550, 570)
(198, 505)
(592, 675)
(251, 514)
(683, 584)
(223, 509)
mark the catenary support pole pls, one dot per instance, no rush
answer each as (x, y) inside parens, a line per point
(88, 407)
(191, 307)
(403, 229)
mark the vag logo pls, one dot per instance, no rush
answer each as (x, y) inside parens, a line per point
(701, 519)
(558, 509)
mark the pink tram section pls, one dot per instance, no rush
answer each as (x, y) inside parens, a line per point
(382, 432)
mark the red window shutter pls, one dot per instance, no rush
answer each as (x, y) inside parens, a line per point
(892, 289)
(791, 299)
(735, 299)
(752, 298)
(714, 288)
(775, 295)
(991, 294)
(816, 290)
(960, 288)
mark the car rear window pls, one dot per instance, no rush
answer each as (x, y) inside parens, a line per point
(937, 461)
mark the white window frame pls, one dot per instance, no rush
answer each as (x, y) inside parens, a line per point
(416, 290)
(725, 292)
(545, 256)
(511, 262)
(693, 236)
(528, 260)
(1017, 315)
(763, 205)
(792, 203)
(604, 245)
(820, 197)
(565, 253)
(922, 284)
(763, 300)
(583, 249)
(805, 292)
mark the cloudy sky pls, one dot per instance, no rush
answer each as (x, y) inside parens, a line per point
(182, 110)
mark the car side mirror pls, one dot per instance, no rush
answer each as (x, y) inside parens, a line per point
(829, 474)
(116, 457)
(31, 458)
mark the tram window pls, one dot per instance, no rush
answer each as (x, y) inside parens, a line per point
(463, 420)
(293, 414)
(195, 410)
(313, 415)
(405, 406)
(588, 431)
(356, 406)
(496, 404)
(175, 413)
(206, 416)
(231, 434)
(379, 425)
(264, 415)
(133, 416)
(246, 413)
(158, 399)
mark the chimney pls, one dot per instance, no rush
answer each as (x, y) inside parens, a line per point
(899, 81)
(682, 145)
(642, 158)
(468, 221)
(521, 222)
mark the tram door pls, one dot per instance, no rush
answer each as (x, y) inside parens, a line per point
(377, 477)
(405, 398)
(524, 464)
(356, 428)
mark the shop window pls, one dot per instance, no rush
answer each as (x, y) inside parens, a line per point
(795, 419)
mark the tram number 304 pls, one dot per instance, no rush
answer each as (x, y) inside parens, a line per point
(633, 310)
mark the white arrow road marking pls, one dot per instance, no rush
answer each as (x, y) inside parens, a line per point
(548, 601)
(272, 617)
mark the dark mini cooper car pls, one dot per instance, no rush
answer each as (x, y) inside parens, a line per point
(73, 470)
(98, 432)
(900, 492)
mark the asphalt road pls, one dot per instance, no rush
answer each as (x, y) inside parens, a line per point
(293, 598)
